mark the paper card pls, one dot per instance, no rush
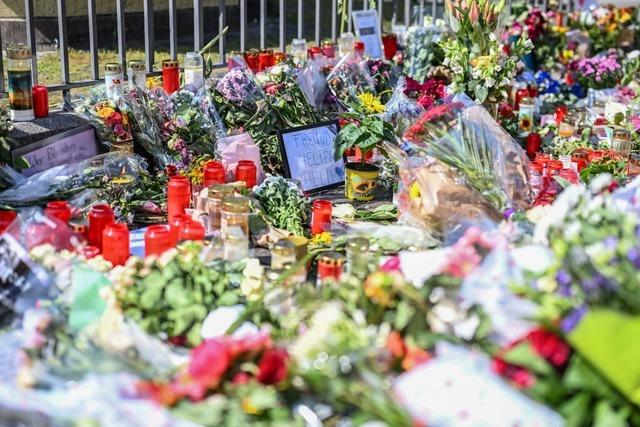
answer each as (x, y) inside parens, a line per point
(367, 26)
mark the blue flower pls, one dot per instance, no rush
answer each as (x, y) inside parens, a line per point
(634, 256)
(564, 283)
(572, 320)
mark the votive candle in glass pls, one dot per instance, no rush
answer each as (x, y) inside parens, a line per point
(214, 204)
(40, 101)
(194, 70)
(192, 230)
(266, 59)
(329, 49)
(157, 239)
(137, 74)
(170, 75)
(115, 243)
(246, 171)
(390, 45)
(113, 79)
(252, 59)
(234, 216)
(58, 209)
(213, 173)
(534, 142)
(178, 195)
(19, 83)
(283, 252)
(321, 216)
(176, 224)
(330, 267)
(299, 49)
(100, 216)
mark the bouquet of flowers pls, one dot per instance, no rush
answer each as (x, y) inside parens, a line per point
(426, 93)
(599, 72)
(385, 77)
(284, 204)
(112, 126)
(350, 78)
(235, 97)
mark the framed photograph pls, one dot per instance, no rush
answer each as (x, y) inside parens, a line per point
(308, 156)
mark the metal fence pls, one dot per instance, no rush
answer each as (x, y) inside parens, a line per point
(423, 7)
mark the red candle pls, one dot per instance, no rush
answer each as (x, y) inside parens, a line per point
(561, 113)
(359, 47)
(252, 59)
(178, 195)
(554, 167)
(213, 173)
(321, 216)
(329, 49)
(176, 225)
(40, 101)
(6, 218)
(246, 171)
(157, 239)
(534, 142)
(266, 59)
(312, 52)
(192, 230)
(390, 45)
(100, 216)
(89, 252)
(115, 243)
(279, 57)
(58, 209)
(521, 93)
(170, 75)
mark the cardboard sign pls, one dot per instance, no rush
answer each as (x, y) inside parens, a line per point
(308, 154)
(18, 274)
(368, 31)
(68, 147)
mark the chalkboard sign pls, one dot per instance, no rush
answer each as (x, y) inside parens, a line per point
(67, 147)
(18, 275)
(308, 154)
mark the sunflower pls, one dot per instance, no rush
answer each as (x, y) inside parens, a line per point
(105, 112)
(371, 103)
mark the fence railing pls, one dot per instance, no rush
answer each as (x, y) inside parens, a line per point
(425, 7)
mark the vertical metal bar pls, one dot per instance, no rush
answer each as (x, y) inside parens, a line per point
(122, 41)
(243, 24)
(173, 28)
(64, 48)
(263, 23)
(31, 38)
(149, 35)
(198, 25)
(407, 12)
(434, 10)
(93, 39)
(318, 22)
(349, 17)
(283, 19)
(1, 66)
(365, 4)
(334, 19)
(421, 12)
(381, 21)
(222, 22)
(300, 18)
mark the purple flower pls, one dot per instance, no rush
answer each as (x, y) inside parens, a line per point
(611, 242)
(634, 256)
(564, 283)
(572, 320)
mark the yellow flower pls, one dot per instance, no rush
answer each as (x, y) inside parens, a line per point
(625, 17)
(153, 82)
(612, 27)
(105, 112)
(324, 238)
(414, 191)
(559, 29)
(480, 61)
(248, 407)
(567, 54)
(371, 103)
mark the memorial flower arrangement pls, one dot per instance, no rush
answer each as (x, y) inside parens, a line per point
(598, 72)
(426, 93)
(284, 204)
(112, 126)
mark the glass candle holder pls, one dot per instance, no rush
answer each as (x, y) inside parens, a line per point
(40, 101)
(345, 43)
(157, 240)
(390, 45)
(235, 246)
(6, 218)
(213, 173)
(266, 59)
(633, 167)
(234, 216)
(194, 69)
(58, 209)
(113, 79)
(246, 171)
(19, 83)
(214, 204)
(330, 267)
(115, 243)
(252, 59)
(536, 178)
(192, 230)
(100, 216)
(301, 243)
(560, 113)
(88, 252)
(357, 258)
(534, 142)
(282, 252)
(279, 57)
(329, 49)
(621, 142)
(178, 195)
(544, 160)
(137, 74)
(321, 216)
(525, 115)
(314, 51)
(359, 48)
(170, 75)
(176, 224)
(299, 49)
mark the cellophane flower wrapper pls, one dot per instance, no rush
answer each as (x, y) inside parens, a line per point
(419, 50)
(464, 136)
(401, 110)
(235, 96)
(349, 78)
(209, 107)
(112, 126)
(313, 81)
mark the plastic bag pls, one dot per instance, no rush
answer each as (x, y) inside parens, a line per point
(239, 85)
(476, 151)
(313, 81)
(349, 78)
(401, 110)
(234, 148)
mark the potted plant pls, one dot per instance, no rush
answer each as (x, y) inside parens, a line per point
(365, 130)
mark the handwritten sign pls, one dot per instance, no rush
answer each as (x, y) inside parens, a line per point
(308, 154)
(68, 147)
(18, 274)
(367, 27)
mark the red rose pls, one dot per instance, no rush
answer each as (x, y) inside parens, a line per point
(273, 366)
(523, 378)
(209, 361)
(549, 346)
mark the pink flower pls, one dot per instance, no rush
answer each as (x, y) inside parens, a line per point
(392, 264)
(635, 121)
(209, 361)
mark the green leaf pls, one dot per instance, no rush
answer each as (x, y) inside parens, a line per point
(404, 313)
(605, 416)
(524, 355)
(576, 410)
(175, 295)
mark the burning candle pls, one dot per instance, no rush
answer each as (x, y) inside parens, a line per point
(40, 101)
(176, 223)
(178, 195)
(321, 216)
(246, 171)
(115, 243)
(213, 173)
(6, 218)
(19, 82)
(58, 209)
(100, 216)
(192, 230)
(329, 49)
(157, 239)
(170, 75)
